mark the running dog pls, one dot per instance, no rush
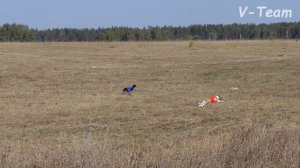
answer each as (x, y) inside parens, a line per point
(212, 99)
(129, 89)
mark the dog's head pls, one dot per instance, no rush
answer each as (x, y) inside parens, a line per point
(219, 98)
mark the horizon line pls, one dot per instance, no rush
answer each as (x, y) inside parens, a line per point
(150, 26)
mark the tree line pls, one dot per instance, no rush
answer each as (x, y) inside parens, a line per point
(18, 32)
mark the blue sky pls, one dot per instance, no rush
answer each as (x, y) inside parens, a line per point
(44, 14)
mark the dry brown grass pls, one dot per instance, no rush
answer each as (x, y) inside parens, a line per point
(58, 111)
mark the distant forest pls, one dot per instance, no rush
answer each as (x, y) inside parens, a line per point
(22, 33)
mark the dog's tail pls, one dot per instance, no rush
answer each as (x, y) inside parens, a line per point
(203, 103)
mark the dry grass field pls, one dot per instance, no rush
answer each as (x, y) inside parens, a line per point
(56, 110)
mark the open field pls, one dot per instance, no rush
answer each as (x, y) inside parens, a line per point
(58, 111)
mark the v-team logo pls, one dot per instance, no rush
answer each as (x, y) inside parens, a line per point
(265, 12)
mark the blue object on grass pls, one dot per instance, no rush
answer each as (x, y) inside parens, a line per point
(129, 88)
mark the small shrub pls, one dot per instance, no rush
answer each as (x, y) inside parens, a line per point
(191, 44)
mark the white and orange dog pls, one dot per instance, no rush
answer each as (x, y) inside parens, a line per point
(212, 99)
